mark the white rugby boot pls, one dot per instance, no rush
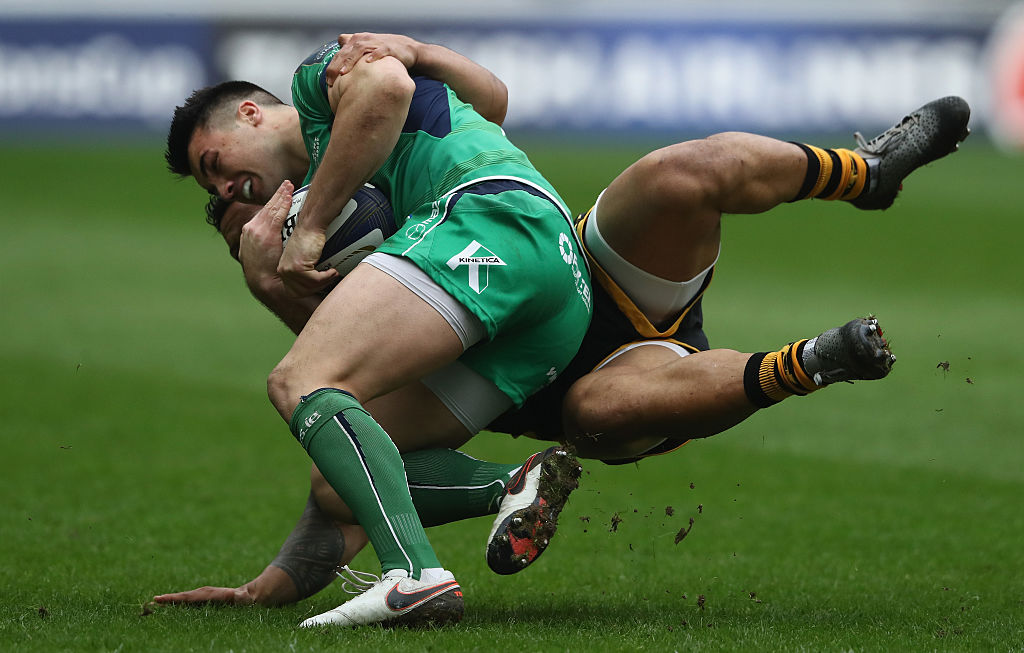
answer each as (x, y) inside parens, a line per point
(397, 600)
(930, 133)
(528, 513)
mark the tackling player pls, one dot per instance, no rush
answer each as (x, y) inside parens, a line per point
(648, 324)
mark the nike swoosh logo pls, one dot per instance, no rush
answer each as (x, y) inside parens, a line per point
(517, 484)
(398, 600)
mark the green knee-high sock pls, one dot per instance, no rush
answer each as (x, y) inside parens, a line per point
(364, 467)
(447, 485)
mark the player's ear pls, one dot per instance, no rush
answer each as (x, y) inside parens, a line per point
(250, 113)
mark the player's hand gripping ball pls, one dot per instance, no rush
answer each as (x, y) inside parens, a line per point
(364, 223)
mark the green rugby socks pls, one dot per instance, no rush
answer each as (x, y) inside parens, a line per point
(447, 485)
(361, 462)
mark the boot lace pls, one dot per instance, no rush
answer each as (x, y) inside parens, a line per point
(356, 582)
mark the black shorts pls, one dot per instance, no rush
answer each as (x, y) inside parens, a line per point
(617, 323)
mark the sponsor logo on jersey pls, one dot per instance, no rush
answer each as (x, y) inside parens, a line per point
(552, 374)
(418, 230)
(318, 56)
(476, 256)
(568, 253)
(315, 153)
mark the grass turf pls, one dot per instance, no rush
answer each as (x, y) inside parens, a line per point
(141, 456)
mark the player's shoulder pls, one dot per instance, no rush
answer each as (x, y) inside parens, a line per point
(319, 57)
(435, 109)
(309, 83)
(430, 109)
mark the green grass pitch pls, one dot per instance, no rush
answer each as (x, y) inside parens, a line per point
(140, 454)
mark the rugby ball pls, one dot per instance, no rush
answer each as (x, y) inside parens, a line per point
(364, 223)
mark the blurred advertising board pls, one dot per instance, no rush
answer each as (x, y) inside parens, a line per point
(82, 76)
(568, 77)
(1006, 75)
(684, 76)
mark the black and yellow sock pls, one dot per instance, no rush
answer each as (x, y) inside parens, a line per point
(770, 377)
(838, 174)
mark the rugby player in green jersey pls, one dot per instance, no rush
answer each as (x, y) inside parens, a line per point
(729, 385)
(485, 269)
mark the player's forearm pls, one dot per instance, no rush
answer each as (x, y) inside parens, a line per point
(294, 312)
(269, 291)
(272, 588)
(306, 562)
(371, 104)
(471, 82)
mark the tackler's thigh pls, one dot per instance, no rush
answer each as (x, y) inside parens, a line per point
(661, 215)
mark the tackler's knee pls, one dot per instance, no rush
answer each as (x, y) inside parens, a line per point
(689, 174)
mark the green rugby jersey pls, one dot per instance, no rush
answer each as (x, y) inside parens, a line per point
(444, 142)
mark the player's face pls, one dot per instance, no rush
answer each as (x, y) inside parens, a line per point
(238, 163)
(231, 224)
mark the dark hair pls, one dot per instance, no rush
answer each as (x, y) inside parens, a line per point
(216, 207)
(198, 110)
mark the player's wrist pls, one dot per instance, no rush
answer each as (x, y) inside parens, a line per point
(309, 230)
(413, 51)
(429, 59)
(261, 593)
(307, 225)
(268, 289)
(272, 588)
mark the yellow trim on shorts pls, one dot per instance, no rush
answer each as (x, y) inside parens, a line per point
(625, 305)
(665, 452)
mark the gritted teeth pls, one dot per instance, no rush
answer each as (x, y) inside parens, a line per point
(247, 189)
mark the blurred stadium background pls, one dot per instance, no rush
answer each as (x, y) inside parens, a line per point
(572, 67)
